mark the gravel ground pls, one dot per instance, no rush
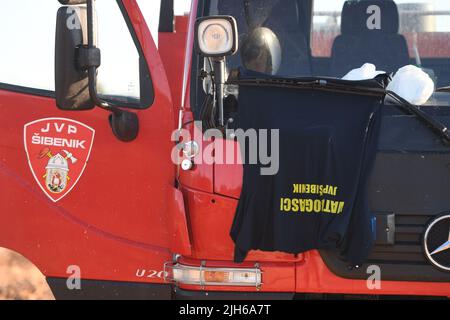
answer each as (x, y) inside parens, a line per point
(21, 280)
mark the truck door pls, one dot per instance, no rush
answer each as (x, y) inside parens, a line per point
(71, 193)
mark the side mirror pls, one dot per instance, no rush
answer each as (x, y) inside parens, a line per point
(76, 61)
(217, 38)
(71, 81)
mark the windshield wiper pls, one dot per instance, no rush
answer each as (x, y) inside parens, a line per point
(329, 85)
(438, 127)
(322, 84)
(443, 89)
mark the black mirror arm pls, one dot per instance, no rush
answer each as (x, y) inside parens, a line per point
(92, 71)
(92, 61)
(89, 59)
(125, 124)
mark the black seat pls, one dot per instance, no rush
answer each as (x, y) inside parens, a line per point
(284, 21)
(358, 44)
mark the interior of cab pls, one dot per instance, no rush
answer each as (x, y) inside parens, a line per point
(324, 38)
(330, 38)
(382, 46)
(288, 19)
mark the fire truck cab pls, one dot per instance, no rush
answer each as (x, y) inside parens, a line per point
(96, 184)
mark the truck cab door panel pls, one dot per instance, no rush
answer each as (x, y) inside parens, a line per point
(117, 215)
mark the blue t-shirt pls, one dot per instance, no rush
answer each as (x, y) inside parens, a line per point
(318, 198)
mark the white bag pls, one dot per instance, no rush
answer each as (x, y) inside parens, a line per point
(366, 72)
(412, 84)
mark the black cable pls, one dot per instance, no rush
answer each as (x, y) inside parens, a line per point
(206, 111)
(210, 74)
(187, 123)
(209, 106)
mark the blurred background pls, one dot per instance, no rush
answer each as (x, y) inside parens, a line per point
(20, 279)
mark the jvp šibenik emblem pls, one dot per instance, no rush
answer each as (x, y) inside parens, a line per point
(58, 150)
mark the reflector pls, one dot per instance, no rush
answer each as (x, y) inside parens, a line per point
(214, 276)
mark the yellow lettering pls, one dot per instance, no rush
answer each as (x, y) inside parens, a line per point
(317, 206)
(341, 207)
(302, 205)
(287, 204)
(326, 206)
(295, 206)
(334, 206)
(309, 206)
(334, 191)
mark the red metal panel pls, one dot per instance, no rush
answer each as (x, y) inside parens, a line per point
(201, 175)
(54, 238)
(227, 175)
(210, 219)
(172, 49)
(314, 277)
(179, 233)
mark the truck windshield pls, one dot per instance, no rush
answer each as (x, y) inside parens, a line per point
(330, 38)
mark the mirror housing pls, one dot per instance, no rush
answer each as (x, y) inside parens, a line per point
(125, 125)
(216, 36)
(71, 81)
(76, 61)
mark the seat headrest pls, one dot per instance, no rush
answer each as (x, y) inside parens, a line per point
(356, 14)
(285, 15)
(281, 13)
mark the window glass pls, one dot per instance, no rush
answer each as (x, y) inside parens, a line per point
(424, 23)
(284, 22)
(150, 10)
(118, 76)
(27, 37)
(339, 36)
(27, 54)
(182, 7)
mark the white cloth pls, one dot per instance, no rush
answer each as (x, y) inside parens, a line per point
(412, 84)
(366, 72)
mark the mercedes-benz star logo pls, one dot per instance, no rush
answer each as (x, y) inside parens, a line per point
(436, 242)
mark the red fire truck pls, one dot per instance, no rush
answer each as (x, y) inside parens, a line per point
(88, 186)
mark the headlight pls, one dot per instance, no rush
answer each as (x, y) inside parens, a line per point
(216, 36)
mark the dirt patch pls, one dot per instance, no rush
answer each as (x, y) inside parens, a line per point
(20, 279)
